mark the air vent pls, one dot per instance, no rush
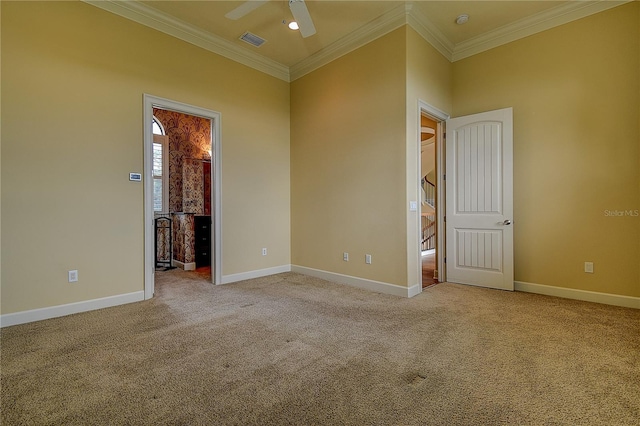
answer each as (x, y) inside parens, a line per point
(252, 39)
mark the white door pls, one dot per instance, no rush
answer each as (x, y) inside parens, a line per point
(479, 212)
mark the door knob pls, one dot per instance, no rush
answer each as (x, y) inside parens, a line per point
(506, 222)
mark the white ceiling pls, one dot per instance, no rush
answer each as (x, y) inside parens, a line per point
(344, 25)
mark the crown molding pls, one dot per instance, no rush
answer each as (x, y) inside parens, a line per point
(380, 26)
(145, 15)
(539, 22)
(403, 14)
(428, 31)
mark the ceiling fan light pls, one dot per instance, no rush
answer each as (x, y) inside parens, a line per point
(293, 25)
(301, 16)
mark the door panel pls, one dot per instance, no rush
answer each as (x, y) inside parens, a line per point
(480, 199)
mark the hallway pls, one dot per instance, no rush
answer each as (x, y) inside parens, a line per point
(428, 268)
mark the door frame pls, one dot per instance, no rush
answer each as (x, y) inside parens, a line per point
(150, 102)
(440, 117)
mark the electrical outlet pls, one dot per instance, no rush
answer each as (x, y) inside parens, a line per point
(73, 276)
(345, 256)
(588, 267)
(264, 251)
(367, 259)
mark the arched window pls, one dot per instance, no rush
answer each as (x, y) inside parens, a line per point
(160, 168)
(157, 127)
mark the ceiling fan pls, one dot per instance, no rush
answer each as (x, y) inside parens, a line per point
(298, 10)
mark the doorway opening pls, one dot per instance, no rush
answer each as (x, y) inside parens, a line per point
(182, 190)
(431, 175)
(428, 231)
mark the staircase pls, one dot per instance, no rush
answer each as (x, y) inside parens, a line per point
(428, 220)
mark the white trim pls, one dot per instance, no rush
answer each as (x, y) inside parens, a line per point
(434, 112)
(149, 237)
(428, 31)
(545, 20)
(363, 283)
(24, 317)
(191, 266)
(227, 279)
(572, 293)
(216, 188)
(150, 17)
(441, 234)
(414, 290)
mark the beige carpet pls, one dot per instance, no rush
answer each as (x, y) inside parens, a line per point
(295, 350)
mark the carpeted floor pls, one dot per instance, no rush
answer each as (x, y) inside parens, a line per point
(295, 350)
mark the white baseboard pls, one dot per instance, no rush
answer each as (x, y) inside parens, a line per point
(191, 266)
(362, 283)
(414, 290)
(68, 309)
(572, 293)
(227, 279)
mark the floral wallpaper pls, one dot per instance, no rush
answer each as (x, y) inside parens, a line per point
(189, 139)
(206, 170)
(192, 186)
(183, 238)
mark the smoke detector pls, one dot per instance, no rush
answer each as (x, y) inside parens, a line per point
(462, 19)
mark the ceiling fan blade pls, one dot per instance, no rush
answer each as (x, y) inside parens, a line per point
(244, 9)
(301, 15)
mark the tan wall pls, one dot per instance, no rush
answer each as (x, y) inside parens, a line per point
(348, 163)
(0, 160)
(73, 77)
(429, 79)
(575, 95)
